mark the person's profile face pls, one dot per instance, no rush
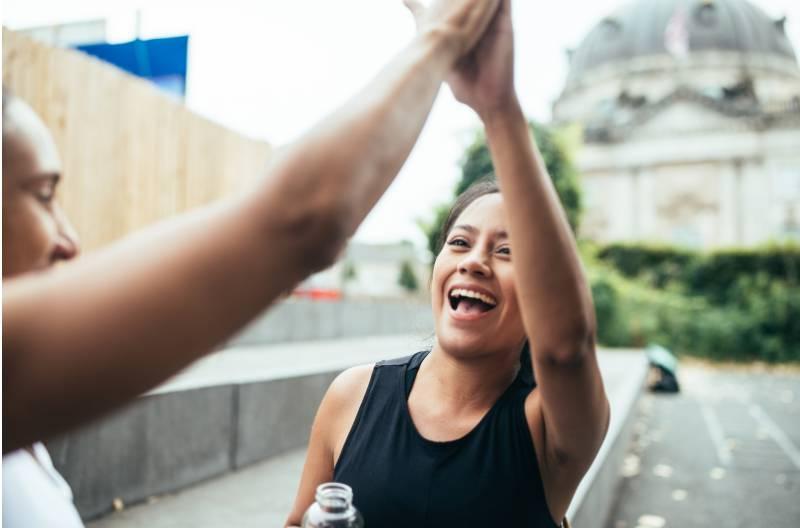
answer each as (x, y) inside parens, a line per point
(36, 233)
(473, 288)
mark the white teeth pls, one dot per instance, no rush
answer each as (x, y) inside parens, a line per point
(459, 292)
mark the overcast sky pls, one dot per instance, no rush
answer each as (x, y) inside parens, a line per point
(271, 68)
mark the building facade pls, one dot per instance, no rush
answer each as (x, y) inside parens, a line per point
(690, 111)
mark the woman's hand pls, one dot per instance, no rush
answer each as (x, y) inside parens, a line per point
(484, 77)
(462, 22)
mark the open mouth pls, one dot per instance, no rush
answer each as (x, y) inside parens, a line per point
(470, 302)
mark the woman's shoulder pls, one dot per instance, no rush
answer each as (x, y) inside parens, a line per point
(351, 384)
(348, 389)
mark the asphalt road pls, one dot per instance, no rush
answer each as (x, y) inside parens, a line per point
(724, 452)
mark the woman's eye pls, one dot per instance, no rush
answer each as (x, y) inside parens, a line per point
(458, 242)
(505, 250)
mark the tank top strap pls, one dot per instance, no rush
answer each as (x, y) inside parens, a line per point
(412, 369)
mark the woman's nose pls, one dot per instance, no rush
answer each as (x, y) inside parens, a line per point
(475, 263)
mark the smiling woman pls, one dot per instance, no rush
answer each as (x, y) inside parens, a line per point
(472, 287)
(462, 435)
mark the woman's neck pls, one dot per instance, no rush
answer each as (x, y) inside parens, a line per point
(474, 382)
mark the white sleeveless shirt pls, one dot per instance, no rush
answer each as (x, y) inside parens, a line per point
(34, 494)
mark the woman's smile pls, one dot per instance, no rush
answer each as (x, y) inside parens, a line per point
(470, 303)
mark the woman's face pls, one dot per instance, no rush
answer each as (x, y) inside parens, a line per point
(36, 233)
(473, 290)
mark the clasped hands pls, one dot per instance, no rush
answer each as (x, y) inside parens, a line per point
(482, 37)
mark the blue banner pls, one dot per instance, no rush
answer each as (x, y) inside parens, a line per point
(161, 61)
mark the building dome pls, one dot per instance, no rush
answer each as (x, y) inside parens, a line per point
(690, 119)
(642, 28)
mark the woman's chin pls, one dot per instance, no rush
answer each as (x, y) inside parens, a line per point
(461, 344)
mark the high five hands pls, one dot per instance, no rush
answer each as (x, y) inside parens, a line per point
(483, 77)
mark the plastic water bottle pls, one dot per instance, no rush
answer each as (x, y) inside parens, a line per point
(333, 509)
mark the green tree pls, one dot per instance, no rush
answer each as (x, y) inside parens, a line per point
(408, 279)
(349, 272)
(555, 146)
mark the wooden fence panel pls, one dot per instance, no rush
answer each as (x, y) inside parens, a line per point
(130, 155)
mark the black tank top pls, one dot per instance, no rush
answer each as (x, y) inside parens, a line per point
(487, 478)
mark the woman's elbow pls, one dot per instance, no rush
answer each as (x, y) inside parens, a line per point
(573, 347)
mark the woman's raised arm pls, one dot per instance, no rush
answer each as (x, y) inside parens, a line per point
(568, 413)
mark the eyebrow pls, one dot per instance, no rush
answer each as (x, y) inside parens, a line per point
(472, 229)
(466, 227)
(54, 176)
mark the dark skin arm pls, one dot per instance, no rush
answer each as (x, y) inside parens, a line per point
(87, 337)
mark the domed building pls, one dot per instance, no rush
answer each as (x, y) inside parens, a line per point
(690, 112)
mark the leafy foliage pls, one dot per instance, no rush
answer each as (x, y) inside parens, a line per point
(408, 279)
(753, 318)
(709, 275)
(476, 165)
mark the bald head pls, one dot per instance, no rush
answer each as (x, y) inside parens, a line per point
(25, 135)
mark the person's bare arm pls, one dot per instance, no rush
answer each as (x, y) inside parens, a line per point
(85, 338)
(568, 413)
(569, 403)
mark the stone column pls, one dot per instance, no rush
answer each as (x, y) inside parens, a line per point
(738, 203)
(636, 205)
(730, 207)
(645, 216)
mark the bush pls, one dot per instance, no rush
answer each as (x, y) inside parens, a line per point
(709, 275)
(612, 329)
(760, 322)
(659, 265)
(407, 278)
(715, 274)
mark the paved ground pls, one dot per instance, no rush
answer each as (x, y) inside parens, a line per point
(259, 496)
(724, 452)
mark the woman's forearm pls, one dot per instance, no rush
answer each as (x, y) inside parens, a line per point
(552, 290)
(84, 338)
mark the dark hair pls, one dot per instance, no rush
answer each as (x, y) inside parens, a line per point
(482, 187)
(478, 189)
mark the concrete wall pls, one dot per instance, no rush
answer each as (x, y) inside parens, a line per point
(168, 441)
(164, 442)
(305, 320)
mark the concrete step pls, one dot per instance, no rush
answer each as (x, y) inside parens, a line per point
(235, 408)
